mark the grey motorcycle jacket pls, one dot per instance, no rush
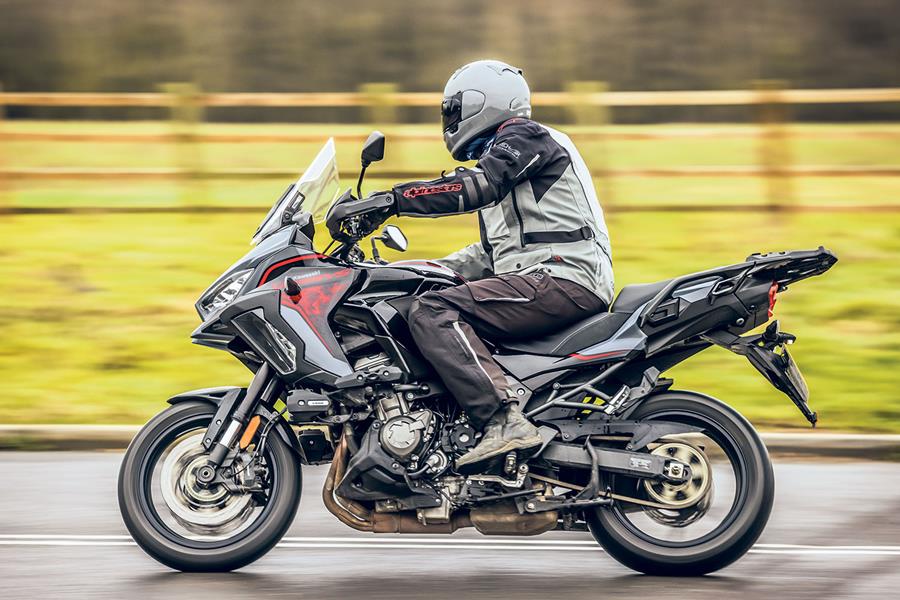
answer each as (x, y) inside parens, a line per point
(536, 205)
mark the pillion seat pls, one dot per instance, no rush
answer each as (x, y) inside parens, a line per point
(632, 297)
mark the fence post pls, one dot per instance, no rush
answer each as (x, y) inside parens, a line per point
(381, 112)
(186, 113)
(585, 110)
(5, 183)
(773, 146)
(380, 107)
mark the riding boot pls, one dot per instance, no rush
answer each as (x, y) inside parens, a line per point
(506, 431)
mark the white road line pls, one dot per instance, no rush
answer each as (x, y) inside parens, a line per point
(64, 543)
(412, 543)
(439, 540)
(827, 552)
(61, 536)
(413, 546)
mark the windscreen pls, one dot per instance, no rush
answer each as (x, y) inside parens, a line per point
(313, 192)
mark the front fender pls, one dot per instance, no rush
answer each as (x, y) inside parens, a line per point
(225, 399)
(213, 394)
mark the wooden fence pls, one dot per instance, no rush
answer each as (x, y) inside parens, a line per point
(587, 103)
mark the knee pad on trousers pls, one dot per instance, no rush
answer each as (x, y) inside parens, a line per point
(424, 313)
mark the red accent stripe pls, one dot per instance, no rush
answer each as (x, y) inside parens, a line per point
(508, 121)
(578, 356)
(288, 261)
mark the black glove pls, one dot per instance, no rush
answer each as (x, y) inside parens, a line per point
(372, 211)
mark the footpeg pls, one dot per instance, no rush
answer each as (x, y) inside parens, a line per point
(509, 465)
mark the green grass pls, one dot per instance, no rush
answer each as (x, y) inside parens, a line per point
(431, 156)
(96, 310)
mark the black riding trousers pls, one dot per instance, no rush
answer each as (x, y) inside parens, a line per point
(449, 325)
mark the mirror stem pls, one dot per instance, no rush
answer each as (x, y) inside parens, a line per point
(375, 255)
(362, 173)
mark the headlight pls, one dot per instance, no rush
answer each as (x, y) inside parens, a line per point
(223, 293)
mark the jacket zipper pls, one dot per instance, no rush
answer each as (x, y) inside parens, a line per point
(515, 204)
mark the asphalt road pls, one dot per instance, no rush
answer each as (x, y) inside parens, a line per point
(834, 533)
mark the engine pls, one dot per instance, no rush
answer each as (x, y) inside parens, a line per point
(406, 445)
(404, 433)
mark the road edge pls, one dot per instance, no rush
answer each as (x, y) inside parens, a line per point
(116, 437)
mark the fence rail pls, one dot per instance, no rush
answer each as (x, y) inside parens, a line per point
(406, 136)
(63, 173)
(357, 99)
(588, 103)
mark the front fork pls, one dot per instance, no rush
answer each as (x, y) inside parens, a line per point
(263, 389)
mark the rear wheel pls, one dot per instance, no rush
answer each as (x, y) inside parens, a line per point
(191, 527)
(710, 520)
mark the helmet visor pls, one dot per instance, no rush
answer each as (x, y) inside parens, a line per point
(451, 112)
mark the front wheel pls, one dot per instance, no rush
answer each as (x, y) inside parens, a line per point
(711, 519)
(191, 527)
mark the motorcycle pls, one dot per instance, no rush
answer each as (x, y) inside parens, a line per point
(669, 482)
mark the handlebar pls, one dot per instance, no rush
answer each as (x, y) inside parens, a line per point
(351, 219)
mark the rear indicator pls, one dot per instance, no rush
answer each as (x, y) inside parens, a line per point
(772, 291)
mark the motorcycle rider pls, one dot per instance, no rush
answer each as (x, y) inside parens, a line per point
(543, 261)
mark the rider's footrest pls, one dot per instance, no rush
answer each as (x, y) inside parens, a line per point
(499, 464)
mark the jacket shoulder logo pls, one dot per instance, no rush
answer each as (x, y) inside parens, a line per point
(426, 190)
(508, 149)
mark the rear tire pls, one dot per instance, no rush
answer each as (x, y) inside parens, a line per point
(181, 552)
(637, 552)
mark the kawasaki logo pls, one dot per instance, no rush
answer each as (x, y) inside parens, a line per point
(426, 190)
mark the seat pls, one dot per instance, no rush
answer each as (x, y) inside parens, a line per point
(595, 329)
(632, 297)
(576, 337)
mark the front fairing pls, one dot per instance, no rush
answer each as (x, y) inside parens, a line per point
(263, 316)
(288, 237)
(291, 333)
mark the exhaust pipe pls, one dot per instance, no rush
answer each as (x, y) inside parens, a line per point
(496, 519)
(353, 514)
(359, 517)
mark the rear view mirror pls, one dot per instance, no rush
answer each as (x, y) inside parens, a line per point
(394, 239)
(373, 149)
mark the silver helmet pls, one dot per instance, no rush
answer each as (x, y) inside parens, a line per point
(478, 98)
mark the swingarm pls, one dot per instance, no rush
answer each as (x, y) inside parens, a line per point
(633, 464)
(585, 455)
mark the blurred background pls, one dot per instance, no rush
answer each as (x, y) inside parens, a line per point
(141, 142)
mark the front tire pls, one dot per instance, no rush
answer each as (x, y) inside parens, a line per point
(752, 504)
(249, 527)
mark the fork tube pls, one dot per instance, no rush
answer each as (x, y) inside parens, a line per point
(259, 383)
